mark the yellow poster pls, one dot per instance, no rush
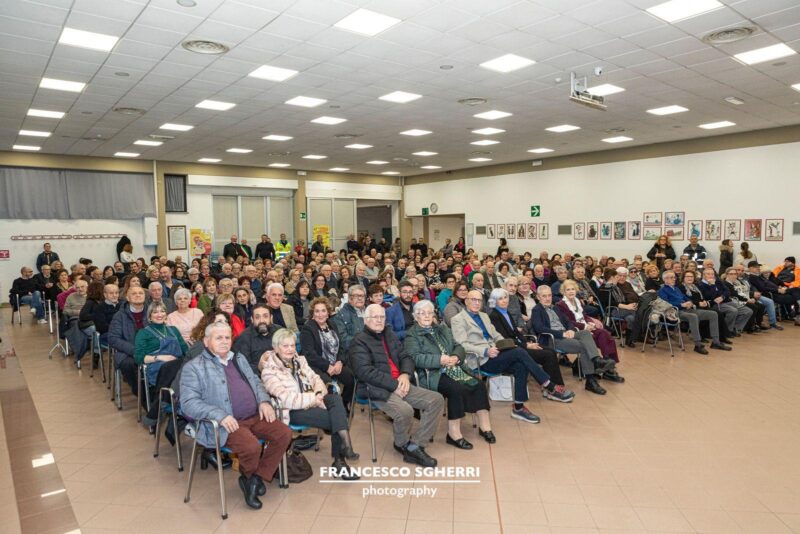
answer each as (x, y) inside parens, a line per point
(325, 231)
(200, 239)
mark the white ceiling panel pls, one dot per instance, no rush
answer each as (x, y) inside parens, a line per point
(244, 16)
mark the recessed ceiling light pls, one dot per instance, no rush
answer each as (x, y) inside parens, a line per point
(186, 3)
(676, 10)
(715, 125)
(488, 131)
(275, 74)
(377, 162)
(215, 105)
(239, 150)
(34, 133)
(492, 115)
(90, 40)
(30, 148)
(314, 156)
(45, 114)
(390, 173)
(328, 120)
(276, 137)
(430, 167)
(338, 169)
(209, 160)
(400, 97)
(280, 165)
(667, 110)
(540, 150)
(358, 146)
(485, 142)
(366, 22)
(617, 139)
(796, 87)
(425, 153)
(127, 154)
(734, 100)
(480, 159)
(177, 127)
(605, 89)
(507, 63)
(415, 132)
(62, 85)
(767, 53)
(563, 128)
(305, 101)
(145, 142)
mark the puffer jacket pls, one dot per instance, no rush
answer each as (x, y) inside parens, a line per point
(205, 394)
(280, 383)
(122, 333)
(370, 363)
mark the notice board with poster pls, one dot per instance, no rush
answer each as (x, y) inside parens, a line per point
(200, 242)
(324, 230)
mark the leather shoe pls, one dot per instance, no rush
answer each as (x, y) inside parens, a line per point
(603, 366)
(262, 488)
(726, 341)
(612, 376)
(418, 456)
(460, 443)
(349, 454)
(720, 346)
(250, 487)
(594, 386)
(488, 436)
(700, 349)
(345, 473)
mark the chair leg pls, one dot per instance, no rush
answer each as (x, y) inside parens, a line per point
(158, 430)
(474, 420)
(646, 334)
(283, 473)
(91, 357)
(669, 341)
(319, 438)
(118, 388)
(372, 433)
(192, 463)
(220, 471)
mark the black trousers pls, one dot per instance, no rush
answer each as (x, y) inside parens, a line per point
(333, 418)
(758, 315)
(548, 359)
(462, 398)
(128, 369)
(345, 380)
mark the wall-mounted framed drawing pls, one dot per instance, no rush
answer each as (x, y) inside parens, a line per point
(773, 229)
(732, 229)
(675, 233)
(674, 218)
(544, 230)
(491, 232)
(752, 229)
(713, 230)
(592, 230)
(605, 230)
(652, 218)
(619, 230)
(634, 229)
(651, 233)
(501, 231)
(579, 230)
(532, 230)
(511, 231)
(695, 229)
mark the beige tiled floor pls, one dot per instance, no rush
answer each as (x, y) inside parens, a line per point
(687, 444)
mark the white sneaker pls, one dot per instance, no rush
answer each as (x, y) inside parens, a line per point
(33, 311)
(42, 321)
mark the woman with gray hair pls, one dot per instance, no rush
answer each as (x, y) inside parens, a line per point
(185, 318)
(305, 399)
(160, 347)
(442, 359)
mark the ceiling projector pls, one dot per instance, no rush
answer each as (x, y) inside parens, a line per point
(578, 93)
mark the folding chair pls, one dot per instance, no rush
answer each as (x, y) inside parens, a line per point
(141, 372)
(365, 401)
(610, 318)
(97, 346)
(661, 324)
(171, 410)
(560, 352)
(16, 308)
(295, 428)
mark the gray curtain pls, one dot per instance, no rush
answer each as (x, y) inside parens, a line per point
(175, 193)
(65, 194)
(33, 194)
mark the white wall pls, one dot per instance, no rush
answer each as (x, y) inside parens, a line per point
(444, 227)
(758, 182)
(102, 251)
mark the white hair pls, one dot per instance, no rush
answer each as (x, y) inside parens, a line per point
(496, 294)
(421, 306)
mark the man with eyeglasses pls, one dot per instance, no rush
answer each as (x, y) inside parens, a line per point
(349, 320)
(400, 315)
(384, 369)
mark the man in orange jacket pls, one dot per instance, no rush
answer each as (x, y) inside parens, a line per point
(788, 275)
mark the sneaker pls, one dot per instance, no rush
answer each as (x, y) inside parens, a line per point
(33, 311)
(720, 346)
(44, 321)
(559, 394)
(524, 414)
(700, 349)
(776, 326)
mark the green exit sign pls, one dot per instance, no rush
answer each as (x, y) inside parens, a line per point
(302, 216)
(536, 211)
(425, 211)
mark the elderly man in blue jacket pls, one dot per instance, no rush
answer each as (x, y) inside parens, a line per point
(220, 386)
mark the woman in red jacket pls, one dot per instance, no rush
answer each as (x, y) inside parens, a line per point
(226, 303)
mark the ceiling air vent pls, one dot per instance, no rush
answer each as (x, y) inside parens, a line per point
(129, 111)
(201, 46)
(347, 136)
(472, 101)
(729, 35)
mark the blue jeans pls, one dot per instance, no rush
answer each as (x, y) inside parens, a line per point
(520, 364)
(35, 302)
(769, 304)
